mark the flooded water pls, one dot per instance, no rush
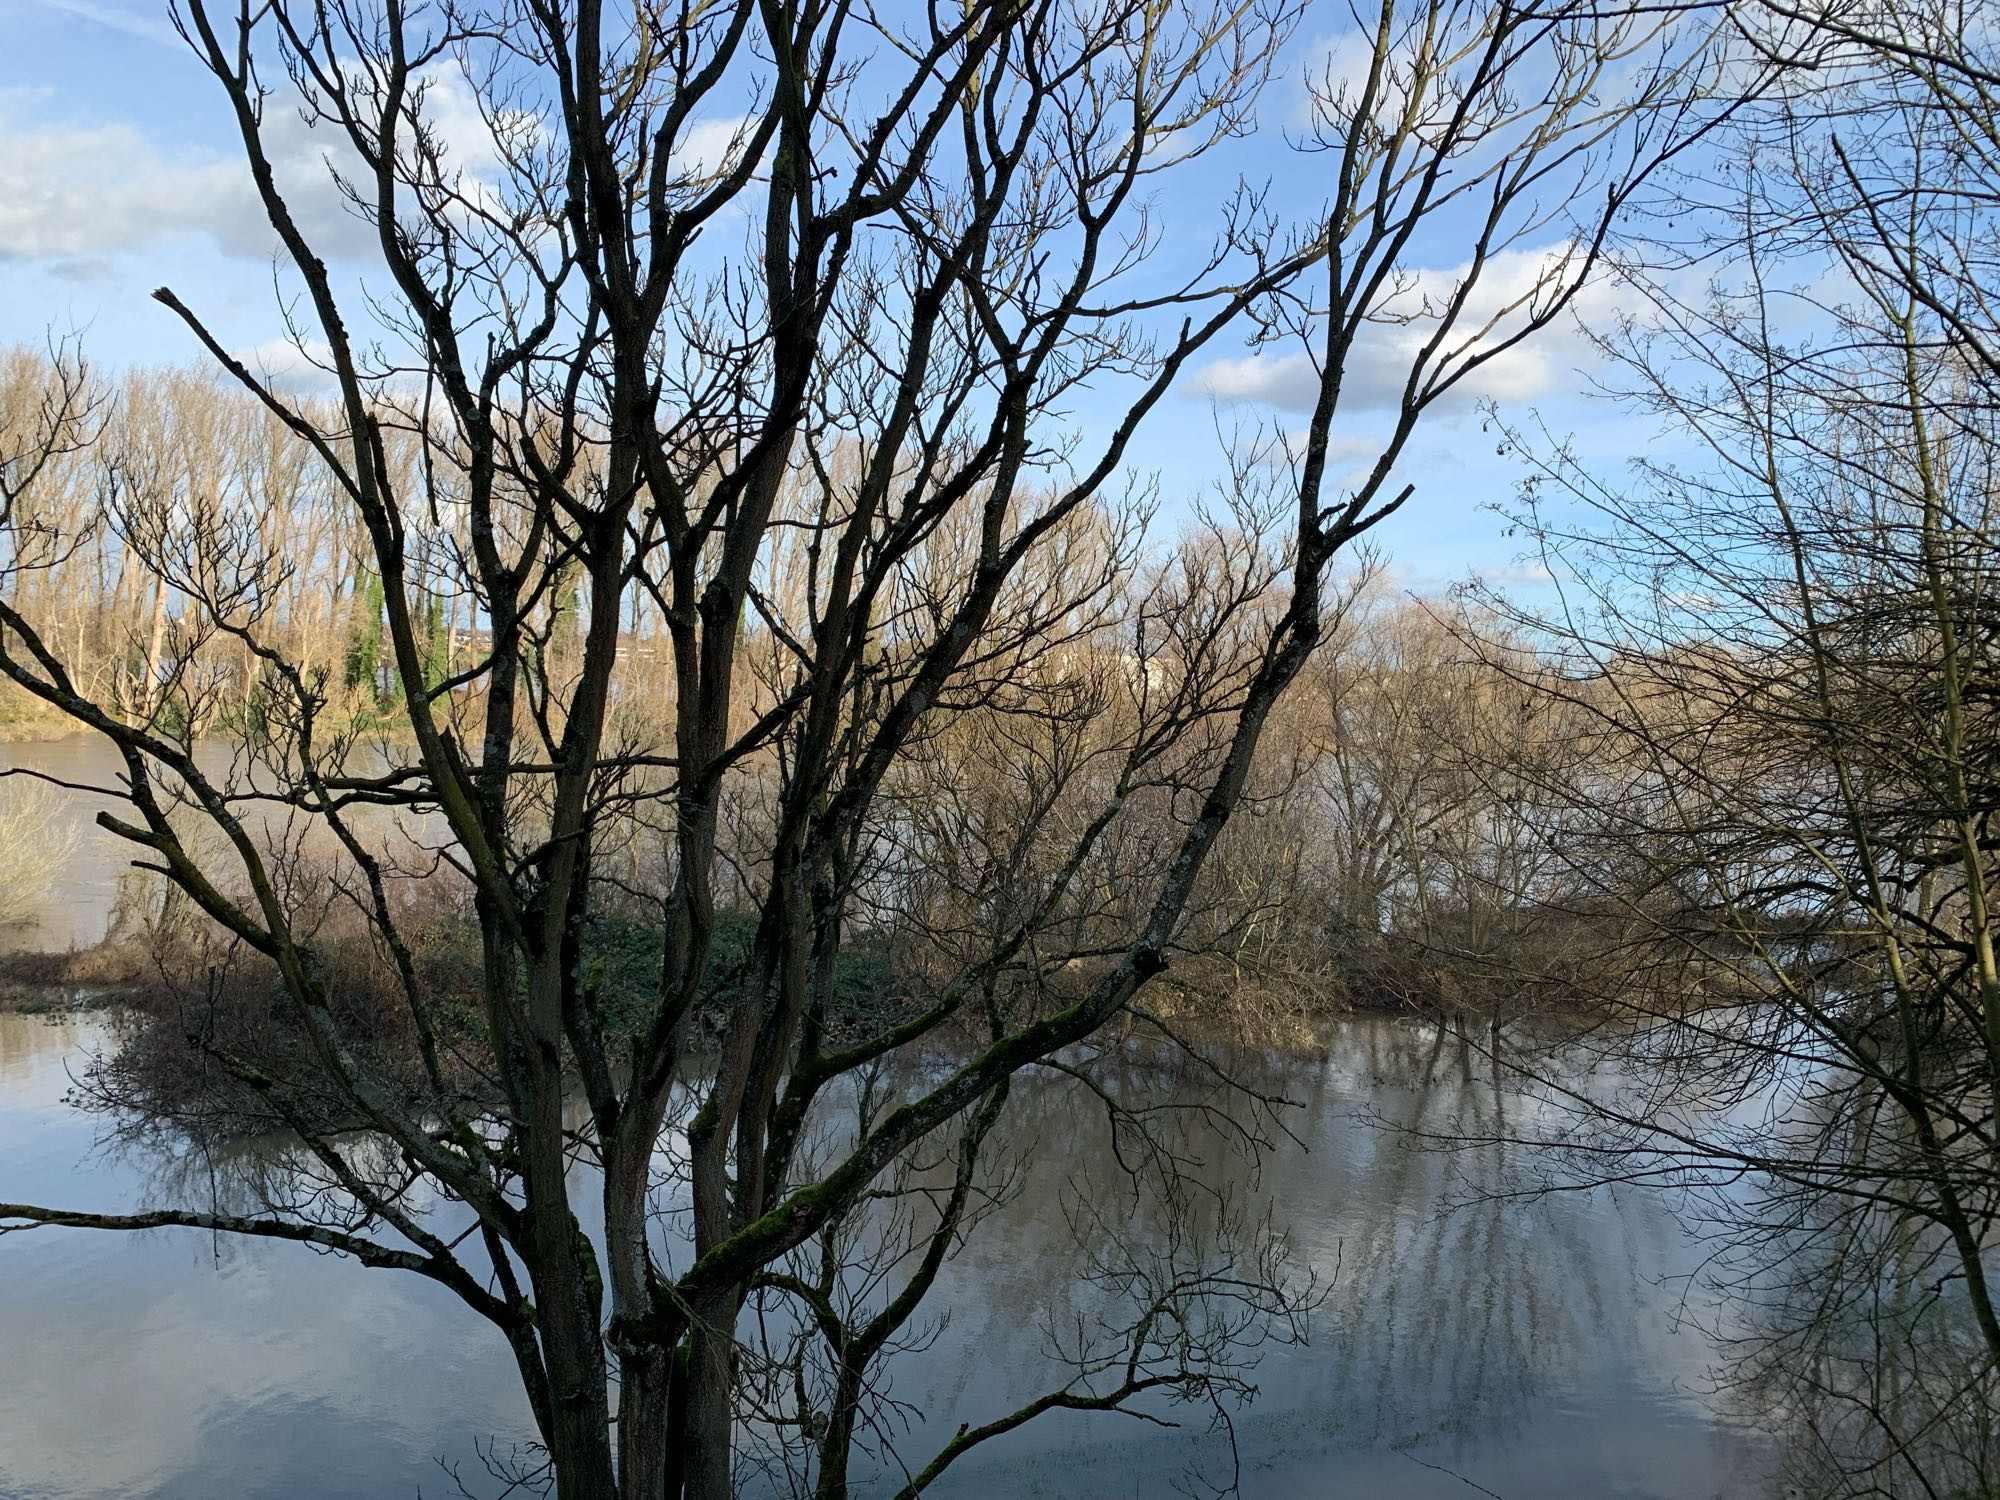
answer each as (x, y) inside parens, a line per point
(72, 909)
(1534, 1349)
(169, 1364)
(1538, 1349)
(74, 905)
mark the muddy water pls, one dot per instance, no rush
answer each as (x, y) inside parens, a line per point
(75, 906)
(83, 777)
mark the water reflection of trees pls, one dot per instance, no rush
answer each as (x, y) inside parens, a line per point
(1832, 1232)
(1475, 1309)
(1166, 1289)
(1861, 1344)
(1450, 1313)
(238, 1176)
(1157, 1287)
(1397, 1296)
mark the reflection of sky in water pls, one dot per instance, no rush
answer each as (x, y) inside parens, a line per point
(164, 1364)
(1531, 1348)
(73, 913)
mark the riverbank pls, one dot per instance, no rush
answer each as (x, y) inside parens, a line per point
(78, 981)
(27, 721)
(149, 973)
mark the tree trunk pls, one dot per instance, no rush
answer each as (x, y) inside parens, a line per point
(710, 1424)
(149, 686)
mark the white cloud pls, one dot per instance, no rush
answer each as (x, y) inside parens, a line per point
(1338, 73)
(70, 191)
(74, 195)
(452, 111)
(289, 365)
(708, 147)
(1378, 366)
(1349, 456)
(1528, 573)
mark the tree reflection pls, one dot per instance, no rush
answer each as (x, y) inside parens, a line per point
(1376, 1293)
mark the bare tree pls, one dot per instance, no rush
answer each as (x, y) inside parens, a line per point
(1785, 632)
(948, 231)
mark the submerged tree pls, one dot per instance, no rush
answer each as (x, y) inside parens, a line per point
(925, 683)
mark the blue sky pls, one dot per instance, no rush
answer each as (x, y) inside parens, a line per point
(118, 173)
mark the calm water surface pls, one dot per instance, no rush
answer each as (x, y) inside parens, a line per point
(1535, 1350)
(74, 911)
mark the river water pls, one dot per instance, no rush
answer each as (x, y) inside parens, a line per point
(1535, 1349)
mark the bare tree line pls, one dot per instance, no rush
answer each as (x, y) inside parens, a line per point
(1393, 808)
